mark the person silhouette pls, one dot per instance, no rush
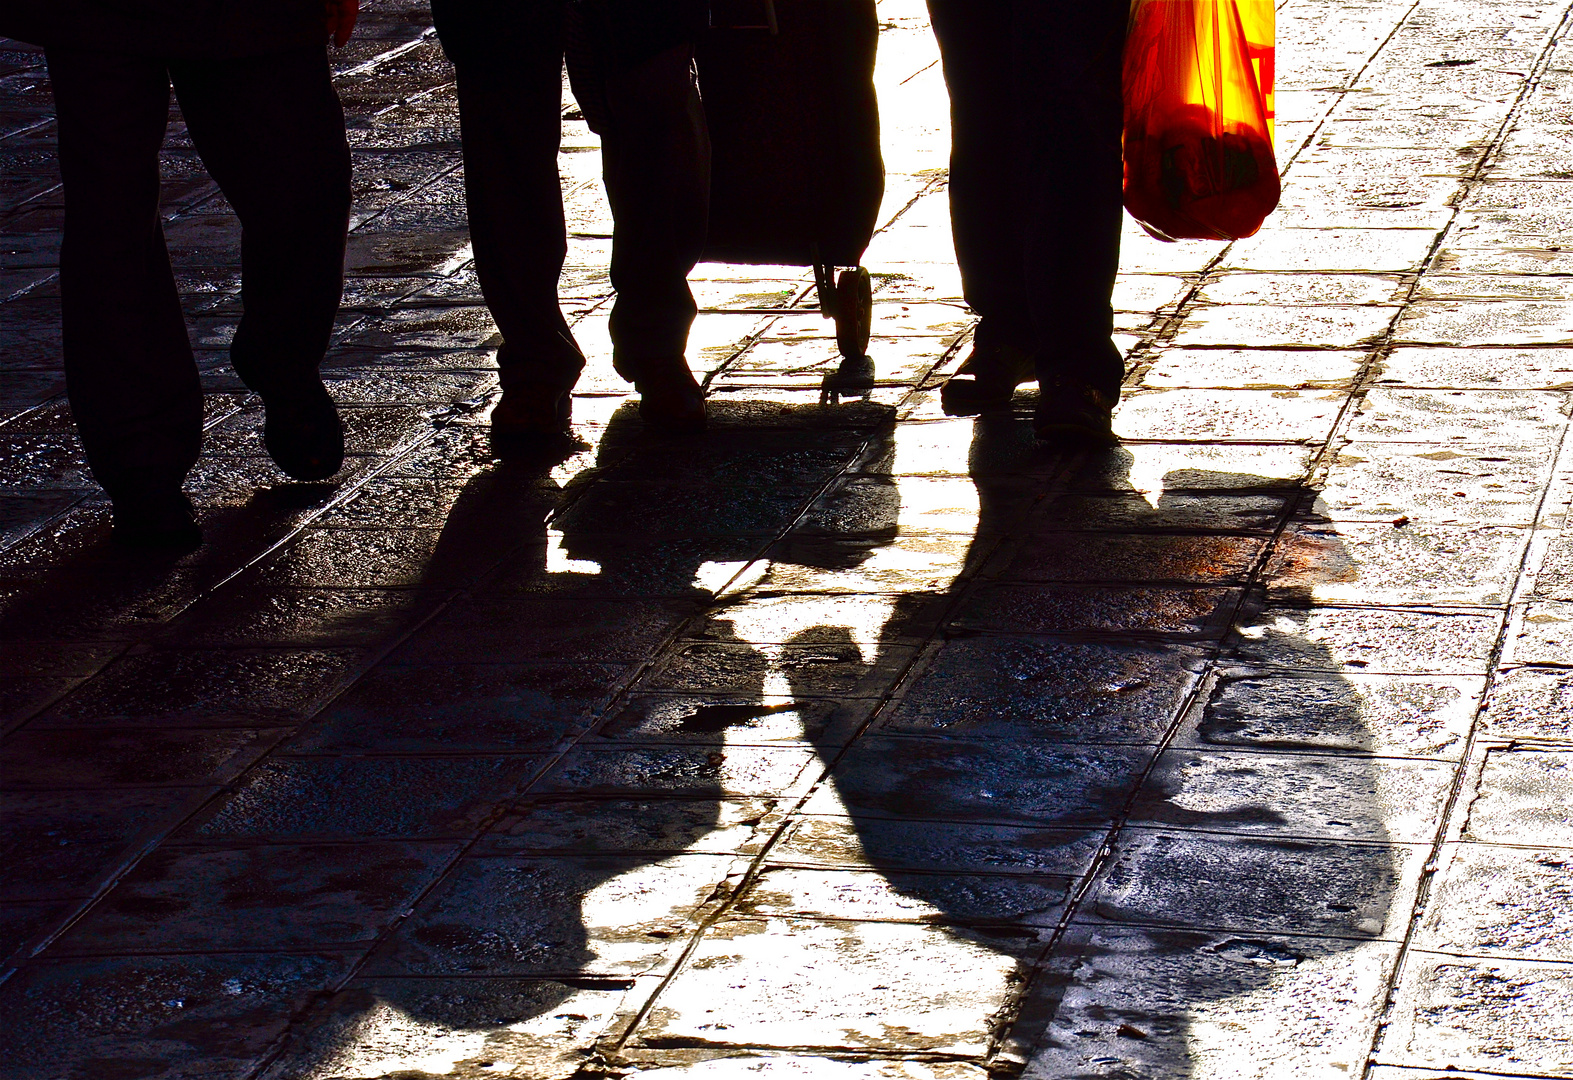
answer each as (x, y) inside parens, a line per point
(1036, 204)
(631, 66)
(256, 95)
(1054, 709)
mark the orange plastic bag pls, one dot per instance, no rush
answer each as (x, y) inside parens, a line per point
(1198, 82)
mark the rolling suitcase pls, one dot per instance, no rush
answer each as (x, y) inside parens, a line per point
(796, 175)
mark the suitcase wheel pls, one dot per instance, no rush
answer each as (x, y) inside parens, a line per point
(854, 313)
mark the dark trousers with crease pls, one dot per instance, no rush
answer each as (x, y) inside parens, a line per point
(508, 55)
(1036, 173)
(270, 131)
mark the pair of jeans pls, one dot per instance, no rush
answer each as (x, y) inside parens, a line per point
(270, 131)
(1036, 174)
(508, 56)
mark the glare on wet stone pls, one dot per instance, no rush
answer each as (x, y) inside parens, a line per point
(855, 739)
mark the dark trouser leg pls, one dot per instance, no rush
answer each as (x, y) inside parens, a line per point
(986, 181)
(1068, 80)
(509, 58)
(129, 372)
(1036, 172)
(271, 133)
(656, 156)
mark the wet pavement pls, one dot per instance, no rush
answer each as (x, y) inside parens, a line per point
(850, 739)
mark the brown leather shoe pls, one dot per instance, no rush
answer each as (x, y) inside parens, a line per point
(533, 412)
(670, 398)
(986, 380)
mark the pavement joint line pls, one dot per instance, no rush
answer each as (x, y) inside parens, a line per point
(1220, 650)
(45, 523)
(421, 95)
(927, 67)
(382, 58)
(433, 178)
(196, 807)
(32, 198)
(72, 685)
(30, 286)
(755, 864)
(1431, 1070)
(1490, 155)
(1243, 930)
(1538, 961)
(15, 132)
(1428, 1072)
(149, 840)
(567, 745)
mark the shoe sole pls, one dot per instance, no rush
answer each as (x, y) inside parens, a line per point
(556, 430)
(1074, 436)
(667, 426)
(970, 402)
(178, 541)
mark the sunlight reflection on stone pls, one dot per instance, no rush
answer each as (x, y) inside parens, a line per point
(713, 577)
(459, 1028)
(655, 896)
(770, 1067)
(1297, 1020)
(1146, 476)
(456, 260)
(558, 560)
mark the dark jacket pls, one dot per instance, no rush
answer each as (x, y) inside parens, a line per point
(173, 29)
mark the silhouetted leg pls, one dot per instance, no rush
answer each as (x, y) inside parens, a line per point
(986, 194)
(1036, 173)
(657, 162)
(509, 59)
(271, 133)
(129, 371)
(1067, 59)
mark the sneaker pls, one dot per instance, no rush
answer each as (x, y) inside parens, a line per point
(1074, 413)
(303, 433)
(986, 380)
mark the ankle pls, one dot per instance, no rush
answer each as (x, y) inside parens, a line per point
(664, 369)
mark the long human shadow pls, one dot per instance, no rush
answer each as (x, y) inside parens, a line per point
(984, 789)
(502, 945)
(1057, 662)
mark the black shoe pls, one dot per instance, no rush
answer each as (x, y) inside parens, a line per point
(986, 380)
(303, 433)
(1074, 413)
(533, 413)
(159, 519)
(670, 399)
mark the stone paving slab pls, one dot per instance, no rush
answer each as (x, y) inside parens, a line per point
(851, 739)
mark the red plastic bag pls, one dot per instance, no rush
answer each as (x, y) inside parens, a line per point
(1198, 81)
